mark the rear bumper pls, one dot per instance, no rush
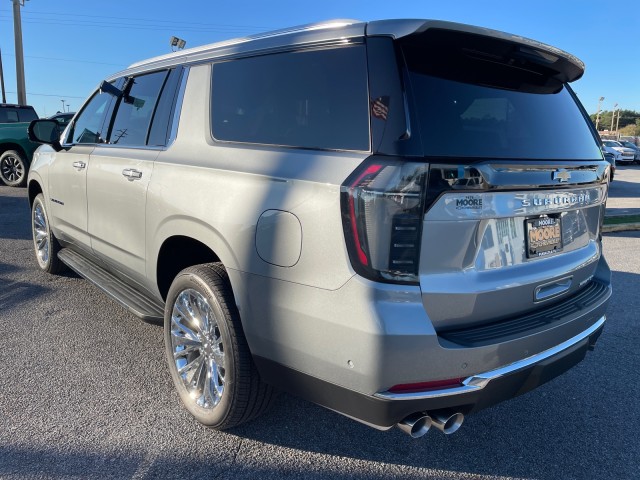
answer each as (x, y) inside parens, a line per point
(384, 410)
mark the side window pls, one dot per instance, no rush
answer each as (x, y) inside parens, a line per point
(27, 115)
(88, 126)
(12, 116)
(311, 99)
(135, 110)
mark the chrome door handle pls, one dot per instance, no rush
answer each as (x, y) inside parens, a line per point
(79, 165)
(132, 174)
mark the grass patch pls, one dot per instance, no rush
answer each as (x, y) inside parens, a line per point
(621, 219)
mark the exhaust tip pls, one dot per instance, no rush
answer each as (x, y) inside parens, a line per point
(448, 423)
(415, 425)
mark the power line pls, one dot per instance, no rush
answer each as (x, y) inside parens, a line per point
(130, 26)
(171, 22)
(150, 24)
(69, 60)
(52, 95)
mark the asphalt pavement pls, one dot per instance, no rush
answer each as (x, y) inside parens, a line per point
(624, 191)
(85, 393)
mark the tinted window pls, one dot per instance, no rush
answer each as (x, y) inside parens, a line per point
(27, 114)
(313, 99)
(162, 118)
(136, 108)
(88, 126)
(459, 119)
(12, 116)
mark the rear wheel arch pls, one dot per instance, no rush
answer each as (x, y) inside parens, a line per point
(177, 253)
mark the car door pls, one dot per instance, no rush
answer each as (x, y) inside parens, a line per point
(119, 175)
(68, 171)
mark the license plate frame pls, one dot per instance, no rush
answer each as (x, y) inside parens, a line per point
(543, 236)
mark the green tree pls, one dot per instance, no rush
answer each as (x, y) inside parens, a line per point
(632, 130)
(627, 118)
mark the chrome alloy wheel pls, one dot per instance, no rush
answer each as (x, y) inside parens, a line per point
(12, 169)
(41, 234)
(197, 348)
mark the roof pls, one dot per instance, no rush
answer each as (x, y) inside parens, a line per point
(570, 68)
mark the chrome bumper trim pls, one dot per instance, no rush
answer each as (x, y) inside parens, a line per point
(480, 380)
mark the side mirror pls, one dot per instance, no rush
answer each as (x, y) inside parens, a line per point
(106, 87)
(46, 132)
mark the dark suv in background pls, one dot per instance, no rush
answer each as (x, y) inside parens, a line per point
(15, 148)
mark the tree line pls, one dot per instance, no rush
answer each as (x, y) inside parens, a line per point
(629, 121)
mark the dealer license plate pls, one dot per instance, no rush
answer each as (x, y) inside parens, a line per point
(544, 236)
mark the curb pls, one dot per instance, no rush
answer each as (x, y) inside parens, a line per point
(620, 227)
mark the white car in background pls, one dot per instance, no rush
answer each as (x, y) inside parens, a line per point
(616, 154)
(626, 154)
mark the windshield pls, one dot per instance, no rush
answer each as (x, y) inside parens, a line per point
(463, 119)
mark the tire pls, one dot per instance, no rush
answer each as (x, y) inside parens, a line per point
(209, 361)
(45, 244)
(13, 169)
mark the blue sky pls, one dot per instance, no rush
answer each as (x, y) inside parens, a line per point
(71, 45)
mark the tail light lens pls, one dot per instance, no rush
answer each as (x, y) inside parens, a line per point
(382, 212)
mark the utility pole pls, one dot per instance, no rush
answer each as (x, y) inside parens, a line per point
(618, 124)
(17, 30)
(4, 95)
(62, 105)
(598, 114)
(613, 117)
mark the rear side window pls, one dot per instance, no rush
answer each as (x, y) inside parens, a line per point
(312, 99)
(27, 114)
(136, 109)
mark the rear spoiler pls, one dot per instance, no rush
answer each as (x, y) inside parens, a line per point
(484, 44)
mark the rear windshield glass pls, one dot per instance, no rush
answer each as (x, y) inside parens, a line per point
(460, 119)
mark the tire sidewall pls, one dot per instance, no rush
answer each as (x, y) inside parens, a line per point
(216, 416)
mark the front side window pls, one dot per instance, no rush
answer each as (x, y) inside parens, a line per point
(88, 126)
(311, 99)
(135, 109)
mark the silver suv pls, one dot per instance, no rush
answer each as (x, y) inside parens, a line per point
(372, 216)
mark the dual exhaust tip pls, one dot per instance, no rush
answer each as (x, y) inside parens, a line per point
(418, 424)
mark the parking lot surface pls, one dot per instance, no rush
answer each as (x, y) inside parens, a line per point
(84, 393)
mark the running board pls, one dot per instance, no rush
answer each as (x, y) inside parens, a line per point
(148, 309)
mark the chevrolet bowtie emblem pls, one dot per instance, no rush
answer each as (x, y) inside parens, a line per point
(561, 175)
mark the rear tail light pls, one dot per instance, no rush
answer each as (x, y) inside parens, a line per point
(382, 212)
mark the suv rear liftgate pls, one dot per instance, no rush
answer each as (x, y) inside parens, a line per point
(497, 224)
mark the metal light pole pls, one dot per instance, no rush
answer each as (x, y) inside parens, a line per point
(598, 113)
(4, 96)
(613, 116)
(17, 30)
(62, 105)
(618, 124)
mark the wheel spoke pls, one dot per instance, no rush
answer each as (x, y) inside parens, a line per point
(214, 386)
(190, 334)
(186, 351)
(196, 363)
(183, 307)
